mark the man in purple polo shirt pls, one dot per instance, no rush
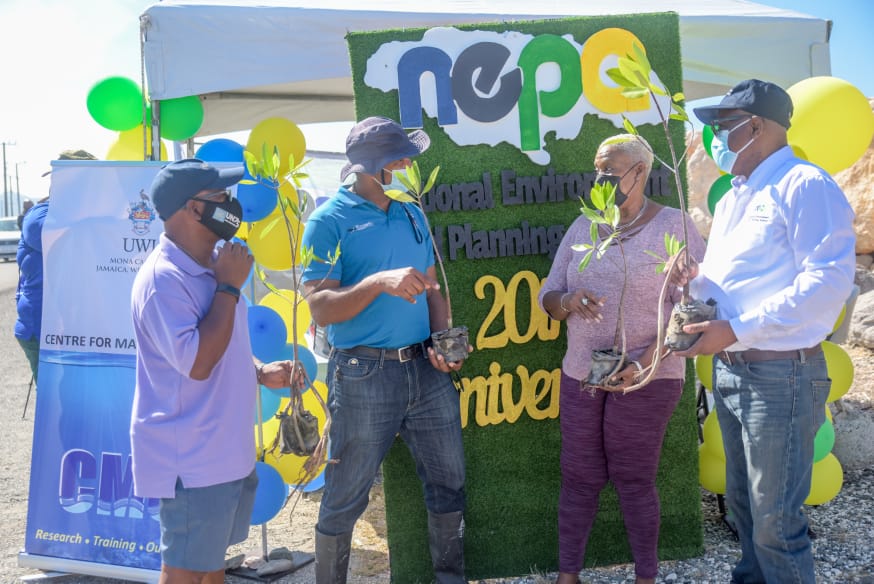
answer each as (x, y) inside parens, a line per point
(191, 425)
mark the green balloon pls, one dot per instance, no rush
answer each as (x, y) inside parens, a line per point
(719, 187)
(824, 440)
(116, 103)
(181, 117)
(707, 139)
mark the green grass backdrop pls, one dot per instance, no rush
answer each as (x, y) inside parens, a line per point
(513, 474)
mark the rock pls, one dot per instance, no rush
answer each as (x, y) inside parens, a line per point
(275, 567)
(862, 321)
(234, 562)
(254, 562)
(864, 279)
(282, 553)
(853, 430)
(701, 172)
(865, 260)
(857, 183)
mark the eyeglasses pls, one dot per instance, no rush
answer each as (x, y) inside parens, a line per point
(719, 125)
(215, 197)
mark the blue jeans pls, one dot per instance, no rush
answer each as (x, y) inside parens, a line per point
(769, 413)
(373, 401)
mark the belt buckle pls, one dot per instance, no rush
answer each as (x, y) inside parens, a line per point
(405, 354)
(726, 358)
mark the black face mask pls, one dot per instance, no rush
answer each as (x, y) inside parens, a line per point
(609, 179)
(223, 219)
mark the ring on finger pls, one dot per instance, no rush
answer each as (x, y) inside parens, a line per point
(584, 301)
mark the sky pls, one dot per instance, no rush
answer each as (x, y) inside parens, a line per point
(54, 51)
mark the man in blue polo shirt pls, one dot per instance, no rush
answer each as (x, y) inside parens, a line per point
(191, 425)
(380, 302)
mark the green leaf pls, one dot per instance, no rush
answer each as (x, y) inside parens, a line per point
(660, 268)
(584, 263)
(408, 184)
(611, 215)
(658, 89)
(631, 71)
(431, 180)
(414, 176)
(677, 97)
(251, 162)
(401, 196)
(597, 195)
(274, 161)
(634, 93)
(653, 254)
(640, 56)
(629, 127)
(582, 246)
(248, 181)
(618, 78)
(306, 256)
(593, 231)
(592, 215)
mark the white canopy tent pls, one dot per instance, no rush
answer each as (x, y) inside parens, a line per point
(253, 60)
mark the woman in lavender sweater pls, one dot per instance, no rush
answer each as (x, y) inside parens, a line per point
(609, 435)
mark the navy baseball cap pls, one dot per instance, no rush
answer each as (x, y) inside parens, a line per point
(757, 97)
(376, 141)
(181, 180)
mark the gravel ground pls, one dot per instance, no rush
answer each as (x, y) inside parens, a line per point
(843, 549)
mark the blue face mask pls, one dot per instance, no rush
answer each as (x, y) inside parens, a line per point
(395, 184)
(722, 154)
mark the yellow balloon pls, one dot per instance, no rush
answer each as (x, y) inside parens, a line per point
(286, 302)
(269, 428)
(840, 370)
(711, 471)
(799, 152)
(243, 231)
(290, 466)
(129, 145)
(281, 133)
(704, 370)
(713, 436)
(270, 243)
(832, 123)
(826, 482)
(840, 319)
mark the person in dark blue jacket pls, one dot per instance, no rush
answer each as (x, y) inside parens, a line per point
(28, 296)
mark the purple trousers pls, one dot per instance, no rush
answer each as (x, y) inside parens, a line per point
(610, 436)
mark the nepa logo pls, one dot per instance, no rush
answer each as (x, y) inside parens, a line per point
(141, 215)
(488, 87)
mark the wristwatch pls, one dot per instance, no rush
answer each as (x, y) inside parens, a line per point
(228, 289)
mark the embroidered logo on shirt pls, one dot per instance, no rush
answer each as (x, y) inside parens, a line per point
(360, 227)
(761, 212)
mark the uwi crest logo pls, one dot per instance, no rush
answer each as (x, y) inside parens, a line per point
(141, 214)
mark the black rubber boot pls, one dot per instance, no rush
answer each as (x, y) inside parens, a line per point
(332, 557)
(446, 540)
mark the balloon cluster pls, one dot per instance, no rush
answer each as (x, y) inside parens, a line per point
(832, 127)
(279, 320)
(828, 475)
(118, 104)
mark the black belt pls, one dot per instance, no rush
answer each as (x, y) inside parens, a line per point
(755, 355)
(403, 354)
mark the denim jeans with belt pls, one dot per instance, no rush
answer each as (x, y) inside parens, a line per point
(769, 412)
(372, 401)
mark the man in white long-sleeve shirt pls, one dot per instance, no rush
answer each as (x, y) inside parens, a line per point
(780, 263)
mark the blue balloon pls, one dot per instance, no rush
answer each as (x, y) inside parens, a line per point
(258, 200)
(322, 200)
(270, 495)
(267, 333)
(270, 401)
(220, 150)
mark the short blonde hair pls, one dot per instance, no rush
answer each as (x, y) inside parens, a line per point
(635, 146)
